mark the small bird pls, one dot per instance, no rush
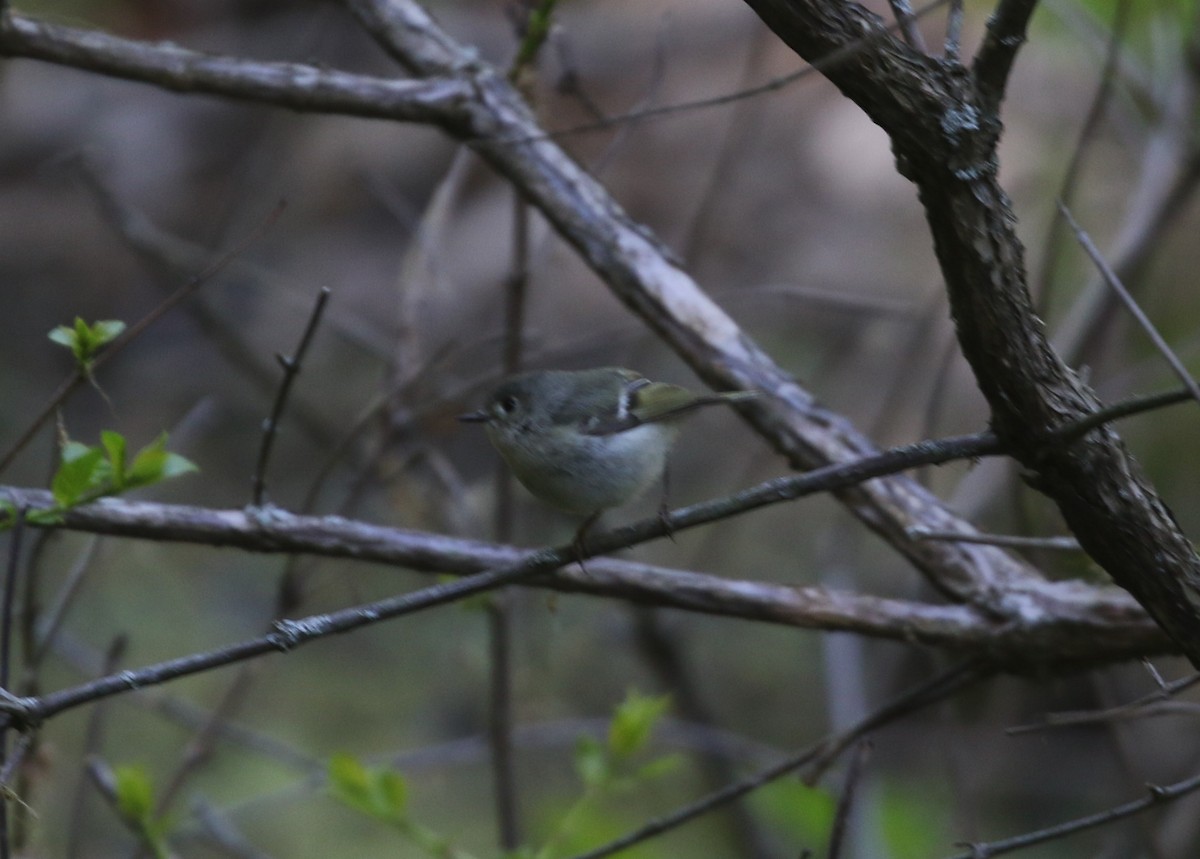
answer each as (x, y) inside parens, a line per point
(588, 440)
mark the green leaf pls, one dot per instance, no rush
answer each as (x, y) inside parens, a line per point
(659, 767)
(913, 819)
(135, 795)
(114, 446)
(85, 340)
(73, 450)
(634, 721)
(591, 761)
(379, 792)
(135, 802)
(78, 475)
(348, 781)
(87, 473)
(806, 813)
(106, 330)
(64, 336)
(154, 463)
(392, 791)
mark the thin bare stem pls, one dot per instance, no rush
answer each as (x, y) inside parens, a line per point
(10, 592)
(770, 86)
(1006, 33)
(499, 616)
(846, 801)
(1087, 134)
(1119, 712)
(297, 86)
(906, 22)
(1114, 282)
(6, 634)
(952, 49)
(291, 369)
(1057, 544)
(1156, 795)
(92, 738)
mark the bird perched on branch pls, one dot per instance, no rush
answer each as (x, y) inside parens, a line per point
(588, 440)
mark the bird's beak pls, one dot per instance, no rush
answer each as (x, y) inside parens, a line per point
(478, 417)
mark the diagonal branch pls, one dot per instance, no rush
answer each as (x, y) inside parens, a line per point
(642, 273)
(292, 85)
(1005, 35)
(944, 127)
(475, 103)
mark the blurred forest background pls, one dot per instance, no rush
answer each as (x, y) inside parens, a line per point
(785, 206)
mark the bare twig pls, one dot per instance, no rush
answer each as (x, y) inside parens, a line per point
(291, 368)
(1114, 282)
(1058, 544)
(500, 608)
(906, 22)
(1006, 29)
(293, 85)
(1131, 709)
(172, 257)
(1156, 795)
(951, 49)
(11, 571)
(91, 745)
(846, 801)
(1087, 135)
(770, 86)
(50, 622)
(200, 747)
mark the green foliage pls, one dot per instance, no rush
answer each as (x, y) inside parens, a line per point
(612, 766)
(379, 793)
(382, 793)
(85, 341)
(635, 718)
(536, 30)
(135, 803)
(804, 813)
(90, 472)
(915, 821)
(605, 767)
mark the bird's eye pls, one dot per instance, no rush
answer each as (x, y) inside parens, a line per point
(507, 405)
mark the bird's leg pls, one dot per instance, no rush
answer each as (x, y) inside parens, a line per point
(664, 508)
(579, 543)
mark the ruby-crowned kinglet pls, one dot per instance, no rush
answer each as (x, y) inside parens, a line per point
(588, 440)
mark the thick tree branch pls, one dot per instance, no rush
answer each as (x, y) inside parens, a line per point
(1005, 36)
(1062, 623)
(944, 128)
(290, 85)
